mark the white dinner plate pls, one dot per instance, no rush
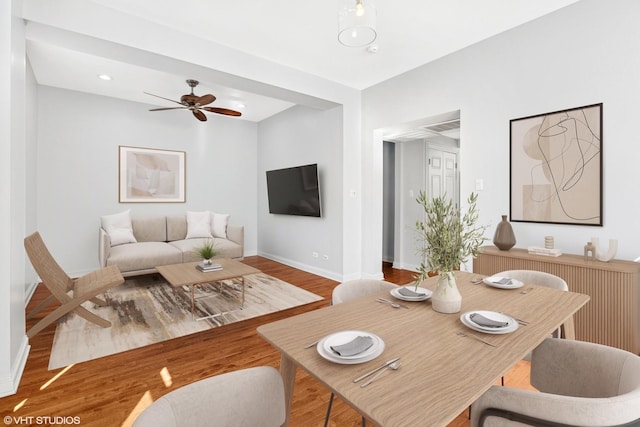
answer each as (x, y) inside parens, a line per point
(396, 293)
(324, 347)
(512, 324)
(495, 282)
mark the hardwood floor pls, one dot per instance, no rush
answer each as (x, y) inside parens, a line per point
(111, 391)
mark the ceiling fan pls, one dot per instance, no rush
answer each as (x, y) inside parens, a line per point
(196, 104)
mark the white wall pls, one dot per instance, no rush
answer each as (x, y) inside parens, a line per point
(410, 168)
(77, 166)
(13, 103)
(580, 55)
(299, 136)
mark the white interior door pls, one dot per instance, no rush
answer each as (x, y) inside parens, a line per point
(442, 173)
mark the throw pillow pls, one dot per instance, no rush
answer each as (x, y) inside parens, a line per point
(219, 224)
(198, 225)
(118, 227)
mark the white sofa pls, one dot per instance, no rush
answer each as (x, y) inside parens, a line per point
(162, 240)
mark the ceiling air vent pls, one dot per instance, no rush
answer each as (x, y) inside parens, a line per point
(444, 127)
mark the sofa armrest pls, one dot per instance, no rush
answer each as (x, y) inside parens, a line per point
(104, 247)
(235, 233)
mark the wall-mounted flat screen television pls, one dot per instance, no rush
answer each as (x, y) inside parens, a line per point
(294, 191)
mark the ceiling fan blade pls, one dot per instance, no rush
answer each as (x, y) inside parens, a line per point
(224, 111)
(200, 115)
(168, 108)
(205, 99)
(162, 97)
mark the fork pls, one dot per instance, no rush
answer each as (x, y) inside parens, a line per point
(462, 334)
(391, 303)
(476, 280)
(526, 291)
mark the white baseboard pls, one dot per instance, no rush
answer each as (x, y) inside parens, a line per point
(404, 266)
(9, 383)
(305, 267)
(29, 291)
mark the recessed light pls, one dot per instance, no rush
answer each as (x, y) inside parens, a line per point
(104, 77)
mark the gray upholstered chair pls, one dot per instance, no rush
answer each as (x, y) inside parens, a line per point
(580, 383)
(541, 278)
(350, 290)
(252, 397)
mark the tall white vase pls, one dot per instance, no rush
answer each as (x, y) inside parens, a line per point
(446, 298)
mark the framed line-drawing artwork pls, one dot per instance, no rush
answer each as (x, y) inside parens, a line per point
(149, 175)
(556, 167)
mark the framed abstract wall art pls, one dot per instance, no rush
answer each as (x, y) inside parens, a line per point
(556, 167)
(151, 175)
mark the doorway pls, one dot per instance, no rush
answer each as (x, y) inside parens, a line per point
(418, 156)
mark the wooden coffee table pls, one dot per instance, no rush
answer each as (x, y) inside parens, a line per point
(188, 275)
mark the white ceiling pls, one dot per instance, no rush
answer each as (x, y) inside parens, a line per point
(298, 34)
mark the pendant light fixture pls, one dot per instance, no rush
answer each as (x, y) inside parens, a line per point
(357, 22)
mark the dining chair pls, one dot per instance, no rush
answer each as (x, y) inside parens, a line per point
(252, 397)
(350, 290)
(541, 278)
(579, 383)
(70, 293)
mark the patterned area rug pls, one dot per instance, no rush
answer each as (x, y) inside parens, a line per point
(146, 310)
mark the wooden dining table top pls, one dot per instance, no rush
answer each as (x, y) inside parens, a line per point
(441, 373)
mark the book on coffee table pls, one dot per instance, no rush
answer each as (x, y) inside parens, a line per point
(209, 267)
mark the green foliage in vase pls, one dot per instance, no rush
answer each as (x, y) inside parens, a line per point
(446, 238)
(207, 251)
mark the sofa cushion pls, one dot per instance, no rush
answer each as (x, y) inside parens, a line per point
(228, 248)
(225, 247)
(176, 227)
(198, 225)
(187, 248)
(150, 229)
(143, 256)
(118, 227)
(219, 224)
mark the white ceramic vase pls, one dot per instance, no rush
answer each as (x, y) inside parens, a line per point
(446, 298)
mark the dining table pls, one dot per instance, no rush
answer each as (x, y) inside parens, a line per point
(444, 365)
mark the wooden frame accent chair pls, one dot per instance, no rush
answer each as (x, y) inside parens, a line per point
(71, 293)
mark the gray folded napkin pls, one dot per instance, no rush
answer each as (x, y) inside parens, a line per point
(502, 281)
(409, 293)
(479, 319)
(353, 347)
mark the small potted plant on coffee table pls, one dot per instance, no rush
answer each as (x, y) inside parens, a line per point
(207, 251)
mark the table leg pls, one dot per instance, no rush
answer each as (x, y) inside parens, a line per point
(568, 330)
(288, 372)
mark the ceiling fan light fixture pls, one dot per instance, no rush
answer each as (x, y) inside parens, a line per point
(196, 104)
(357, 23)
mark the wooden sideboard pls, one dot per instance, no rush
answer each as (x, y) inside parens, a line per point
(611, 317)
